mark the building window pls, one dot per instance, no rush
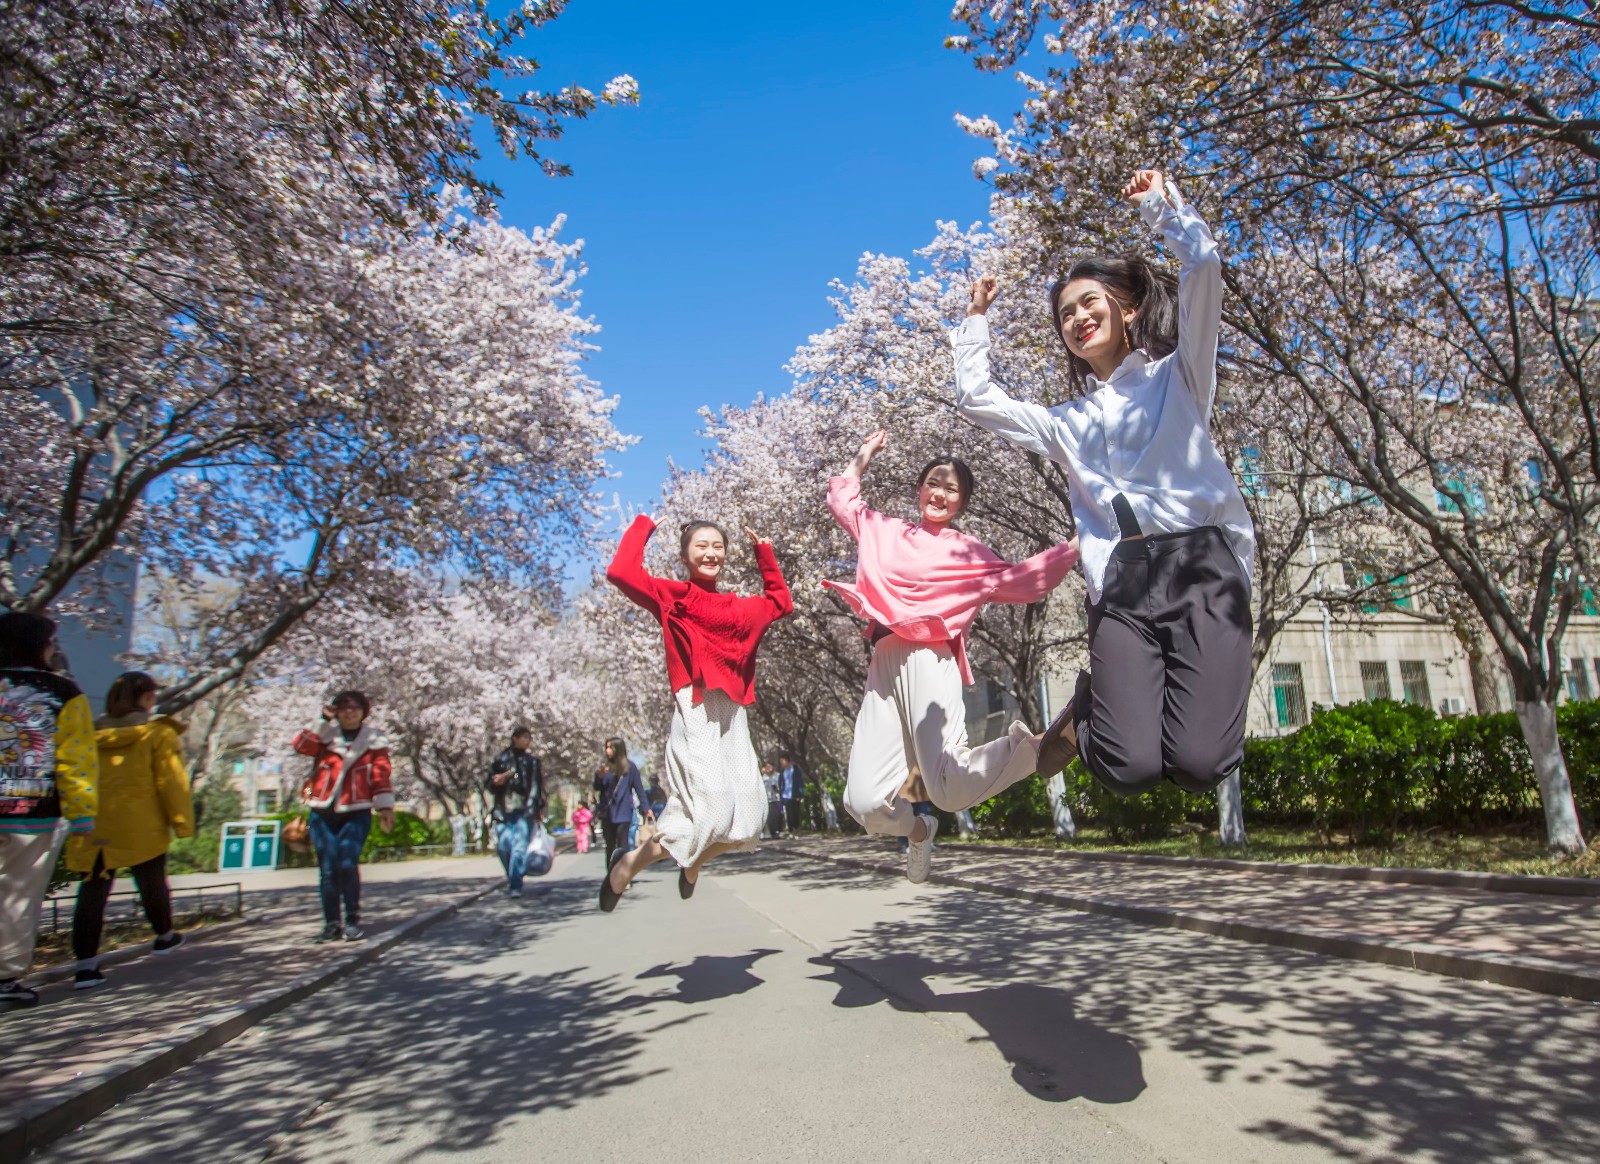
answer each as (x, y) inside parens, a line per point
(1289, 694)
(1459, 495)
(1399, 594)
(1375, 681)
(1414, 681)
(266, 801)
(1577, 680)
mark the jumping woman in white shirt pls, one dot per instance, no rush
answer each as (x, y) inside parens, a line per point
(1166, 540)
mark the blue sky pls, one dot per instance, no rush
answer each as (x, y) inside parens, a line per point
(772, 145)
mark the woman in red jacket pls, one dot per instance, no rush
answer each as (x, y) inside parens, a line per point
(348, 782)
(715, 799)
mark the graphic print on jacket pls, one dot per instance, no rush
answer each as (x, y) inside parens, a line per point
(47, 754)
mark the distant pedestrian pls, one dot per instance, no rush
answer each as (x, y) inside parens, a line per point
(516, 786)
(582, 825)
(619, 789)
(656, 795)
(769, 781)
(791, 790)
(144, 802)
(348, 781)
(48, 777)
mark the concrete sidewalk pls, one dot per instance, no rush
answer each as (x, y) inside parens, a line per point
(79, 1052)
(1530, 941)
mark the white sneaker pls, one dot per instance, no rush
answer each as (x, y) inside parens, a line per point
(919, 854)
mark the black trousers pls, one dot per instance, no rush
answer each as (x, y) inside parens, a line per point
(1169, 659)
(791, 811)
(616, 835)
(89, 915)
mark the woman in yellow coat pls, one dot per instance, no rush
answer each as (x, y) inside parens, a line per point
(144, 803)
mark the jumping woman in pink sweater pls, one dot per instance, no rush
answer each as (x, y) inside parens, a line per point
(920, 586)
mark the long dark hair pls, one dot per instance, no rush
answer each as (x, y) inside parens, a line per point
(126, 691)
(1151, 291)
(964, 478)
(617, 746)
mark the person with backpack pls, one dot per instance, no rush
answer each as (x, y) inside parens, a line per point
(49, 778)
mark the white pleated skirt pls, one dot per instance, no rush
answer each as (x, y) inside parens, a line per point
(713, 779)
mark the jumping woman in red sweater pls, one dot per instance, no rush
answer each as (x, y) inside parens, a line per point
(716, 801)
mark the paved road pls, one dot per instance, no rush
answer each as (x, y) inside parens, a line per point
(800, 1011)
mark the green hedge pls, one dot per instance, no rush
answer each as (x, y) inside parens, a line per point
(1364, 769)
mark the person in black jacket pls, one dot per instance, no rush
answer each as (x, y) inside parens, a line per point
(517, 787)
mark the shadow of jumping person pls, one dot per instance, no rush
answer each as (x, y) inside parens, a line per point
(711, 976)
(1054, 1054)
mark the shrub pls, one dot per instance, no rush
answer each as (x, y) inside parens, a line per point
(1019, 811)
(217, 802)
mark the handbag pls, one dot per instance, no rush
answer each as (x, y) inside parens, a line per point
(541, 850)
(297, 834)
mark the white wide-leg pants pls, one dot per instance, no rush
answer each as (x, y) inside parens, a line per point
(26, 862)
(714, 788)
(913, 714)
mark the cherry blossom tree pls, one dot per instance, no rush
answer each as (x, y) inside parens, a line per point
(1408, 197)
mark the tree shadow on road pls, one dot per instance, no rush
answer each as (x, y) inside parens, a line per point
(710, 977)
(1353, 1060)
(433, 1052)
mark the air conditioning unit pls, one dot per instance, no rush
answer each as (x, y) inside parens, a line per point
(1453, 705)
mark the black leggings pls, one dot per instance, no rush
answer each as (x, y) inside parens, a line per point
(88, 917)
(1169, 656)
(616, 835)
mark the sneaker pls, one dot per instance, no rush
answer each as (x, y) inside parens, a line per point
(513, 893)
(353, 932)
(14, 995)
(88, 980)
(166, 945)
(328, 933)
(919, 854)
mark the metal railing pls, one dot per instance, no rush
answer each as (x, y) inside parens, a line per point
(59, 907)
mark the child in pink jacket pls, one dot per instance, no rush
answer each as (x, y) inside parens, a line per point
(921, 586)
(581, 819)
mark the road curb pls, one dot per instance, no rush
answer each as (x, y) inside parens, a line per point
(1439, 878)
(95, 1091)
(1521, 972)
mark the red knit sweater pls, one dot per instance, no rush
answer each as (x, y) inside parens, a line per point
(711, 637)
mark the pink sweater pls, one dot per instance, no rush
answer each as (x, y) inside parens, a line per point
(927, 585)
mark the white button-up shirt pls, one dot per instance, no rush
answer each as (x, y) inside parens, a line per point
(1145, 433)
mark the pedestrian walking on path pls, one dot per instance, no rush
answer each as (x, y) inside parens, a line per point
(1168, 545)
(920, 586)
(618, 790)
(792, 790)
(716, 801)
(49, 773)
(350, 779)
(516, 786)
(144, 803)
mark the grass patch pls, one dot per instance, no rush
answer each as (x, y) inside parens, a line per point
(55, 948)
(1509, 851)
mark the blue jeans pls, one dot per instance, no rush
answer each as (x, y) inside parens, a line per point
(338, 838)
(511, 842)
(920, 808)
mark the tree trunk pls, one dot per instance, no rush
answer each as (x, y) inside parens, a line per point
(1230, 811)
(965, 825)
(1538, 720)
(830, 812)
(1486, 681)
(1066, 827)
